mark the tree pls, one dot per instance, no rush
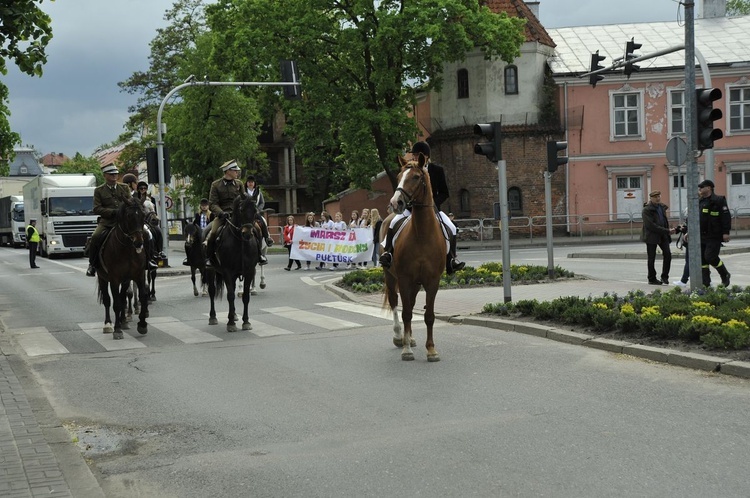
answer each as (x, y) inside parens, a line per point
(738, 7)
(360, 63)
(207, 124)
(25, 32)
(81, 164)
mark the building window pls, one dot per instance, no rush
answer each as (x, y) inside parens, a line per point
(678, 181)
(465, 206)
(626, 115)
(511, 80)
(739, 109)
(628, 183)
(677, 112)
(463, 83)
(515, 203)
(741, 178)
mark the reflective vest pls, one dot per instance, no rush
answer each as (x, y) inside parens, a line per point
(34, 234)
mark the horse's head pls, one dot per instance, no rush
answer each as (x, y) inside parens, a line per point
(130, 220)
(413, 185)
(244, 210)
(192, 236)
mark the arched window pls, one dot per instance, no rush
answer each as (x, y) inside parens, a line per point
(511, 80)
(515, 203)
(465, 206)
(462, 81)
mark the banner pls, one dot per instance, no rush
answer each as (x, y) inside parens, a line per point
(322, 245)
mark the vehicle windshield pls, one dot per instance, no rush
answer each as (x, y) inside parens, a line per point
(70, 206)
(18, 213)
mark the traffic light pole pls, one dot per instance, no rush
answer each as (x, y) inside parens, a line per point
(504, 231)
(694, 232)
(160, 137)
(548, 209)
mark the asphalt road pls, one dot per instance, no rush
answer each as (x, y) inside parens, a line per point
(315, 401)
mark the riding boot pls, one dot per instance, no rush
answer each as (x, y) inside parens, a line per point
(210, 250)
(150, 254)
(262, 260)
(723, 273)
(706, 274)
(264, 232)
(387, 257)
(452, 264)
(93, 257)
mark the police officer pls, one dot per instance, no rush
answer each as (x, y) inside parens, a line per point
(32, 239)
(107, 200)
(715, 225)
(439, 195)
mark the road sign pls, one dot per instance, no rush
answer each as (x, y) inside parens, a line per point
(677, 151)
(169, 203)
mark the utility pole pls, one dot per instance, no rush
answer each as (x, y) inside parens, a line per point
(694, 247)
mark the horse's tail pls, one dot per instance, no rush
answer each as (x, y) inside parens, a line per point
(99, 295)
(219, 282)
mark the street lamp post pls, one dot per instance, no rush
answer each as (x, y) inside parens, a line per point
(160, 134)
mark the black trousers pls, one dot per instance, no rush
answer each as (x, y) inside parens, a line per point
(32, 254)
(667, 255)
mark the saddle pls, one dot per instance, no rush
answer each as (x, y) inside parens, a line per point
(401, 224)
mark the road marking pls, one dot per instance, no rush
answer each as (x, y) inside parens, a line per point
(181, 331)
(94, 330)
(310, 318)
(359, 308)
(37, 341)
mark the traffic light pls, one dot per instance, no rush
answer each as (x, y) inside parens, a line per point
(705, 116)
(553, 161)
(290, 74)
(492, 150)
(152, 165)
(595, 60)
(630, 48)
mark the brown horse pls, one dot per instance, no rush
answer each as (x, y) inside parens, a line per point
(418, 255)
(122, 260)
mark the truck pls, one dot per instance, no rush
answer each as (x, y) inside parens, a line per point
(12, 228)
(63, 205)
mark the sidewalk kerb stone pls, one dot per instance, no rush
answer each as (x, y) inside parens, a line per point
(611, 345)
(568, 336)
(736, 368)
(648, 352)
(696, 361)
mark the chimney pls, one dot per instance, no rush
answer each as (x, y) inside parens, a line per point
(533, 5)
(711, 9)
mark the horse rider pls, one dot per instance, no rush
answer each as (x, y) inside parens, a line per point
(107, 200)
(439, 195)
(220, 200)
(131, 181)
(253, 190)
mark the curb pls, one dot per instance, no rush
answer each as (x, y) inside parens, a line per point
(695, 361)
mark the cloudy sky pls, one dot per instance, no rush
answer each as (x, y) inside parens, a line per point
(77, 106)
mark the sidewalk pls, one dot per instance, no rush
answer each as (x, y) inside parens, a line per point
(38, 459)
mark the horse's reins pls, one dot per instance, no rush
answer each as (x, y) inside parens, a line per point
(409, 197)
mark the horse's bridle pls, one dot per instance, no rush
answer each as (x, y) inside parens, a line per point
(408, 196)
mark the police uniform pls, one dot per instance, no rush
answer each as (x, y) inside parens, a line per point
(715, 223)
(32, 238)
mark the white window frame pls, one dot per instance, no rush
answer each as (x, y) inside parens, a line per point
(670, 111)
(627, 90)
(742, 85)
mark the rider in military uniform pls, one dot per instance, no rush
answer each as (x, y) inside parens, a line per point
(107, 200)
(220, 200)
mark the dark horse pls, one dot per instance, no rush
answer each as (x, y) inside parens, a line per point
(195, 253)
(122, 260)
(152, 223)
(419, 255)
(237, 254)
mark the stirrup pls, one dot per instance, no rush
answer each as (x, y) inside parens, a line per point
(91, 271)
(209, 264)
(386, 259)
(262, 260)
(152, 265)
(454, 265)
(269, 241)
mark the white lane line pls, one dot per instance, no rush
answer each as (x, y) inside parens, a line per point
(94, 330)
(38, 341)
(181, 331)
(359, 308)
(310, 318)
